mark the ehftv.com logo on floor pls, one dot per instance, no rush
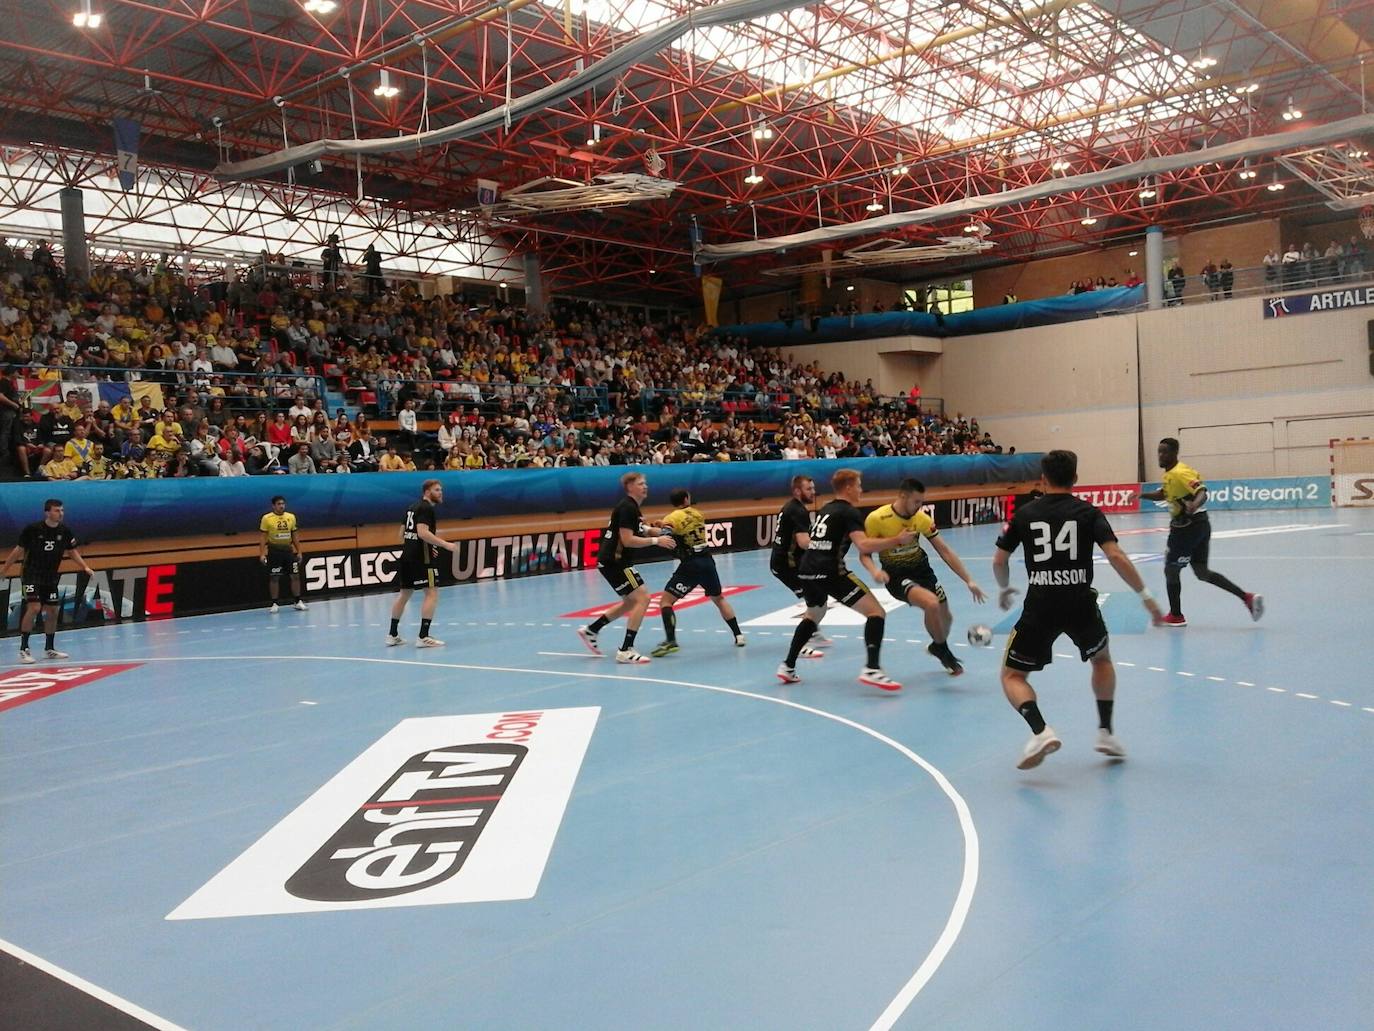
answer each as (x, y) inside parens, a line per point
(441, 809)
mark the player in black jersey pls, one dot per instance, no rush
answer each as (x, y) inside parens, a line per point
(43, 545)
(625, 531)
(1058, 531)
(420, 546)
(790, 539)
(823, 575)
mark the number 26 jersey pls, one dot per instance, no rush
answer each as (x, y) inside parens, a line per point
(1058, 532)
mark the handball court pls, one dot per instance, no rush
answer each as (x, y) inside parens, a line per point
(688, 844)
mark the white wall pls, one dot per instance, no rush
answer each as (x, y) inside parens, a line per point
(894, 364)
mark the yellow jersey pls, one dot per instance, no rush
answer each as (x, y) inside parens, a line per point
(1180, 483)
(884, 522)
(278, 528)
(689, 530)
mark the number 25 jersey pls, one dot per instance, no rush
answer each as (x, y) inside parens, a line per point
(1058, 532)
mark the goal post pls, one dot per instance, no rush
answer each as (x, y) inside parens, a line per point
(1352, 472)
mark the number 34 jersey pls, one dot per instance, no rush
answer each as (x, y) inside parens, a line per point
(1058, 532)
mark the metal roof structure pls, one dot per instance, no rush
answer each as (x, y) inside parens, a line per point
(813, 115)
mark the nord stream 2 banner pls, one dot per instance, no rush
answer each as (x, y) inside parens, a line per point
(168, 590)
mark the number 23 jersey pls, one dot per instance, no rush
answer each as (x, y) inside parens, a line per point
(1058, 532)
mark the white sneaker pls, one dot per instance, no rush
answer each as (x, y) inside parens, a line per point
(26, 657)
(819, 640)
(1107, 744)
(392, 640)
(1040, 745)
(429, 642)
(874, 677)
(739, 641)
(630, 657)
(275, 608)
(788, 674)
(589, 639)
(808, 652)
(300, 605)
(53, 653)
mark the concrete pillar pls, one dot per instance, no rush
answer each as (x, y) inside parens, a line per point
(1154, 266)
(78, 259)
(534, 283)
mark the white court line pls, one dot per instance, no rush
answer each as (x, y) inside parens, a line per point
(573, 655)
(1182, 674)
(1304, 694)
(1337, 701)
(968, 881)
(1244, 683)
(1276, 690)
(93, 990)
(1219, 680)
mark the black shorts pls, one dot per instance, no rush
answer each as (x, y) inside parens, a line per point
(281, 562)
(787, 574)
(697, 571)
(1189, 544)
(43, 592)
(624, 580)
(845, 588)
(1044, 618)
(415, 576)
(900, 580)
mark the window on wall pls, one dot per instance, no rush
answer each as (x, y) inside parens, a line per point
(951, 297)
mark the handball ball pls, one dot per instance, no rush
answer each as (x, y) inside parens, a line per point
(980, 636)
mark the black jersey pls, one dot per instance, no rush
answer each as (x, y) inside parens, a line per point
(830, 541)
(414, 550)
(794, 518)
(1058, 531)
(625, 516)
(44, 547)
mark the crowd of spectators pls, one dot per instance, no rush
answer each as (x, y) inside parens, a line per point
(441, 383)
(1303, 265)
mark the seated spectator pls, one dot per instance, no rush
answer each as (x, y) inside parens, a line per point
(301, 463)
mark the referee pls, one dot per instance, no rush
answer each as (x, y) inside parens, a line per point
(43, 545)
(280, 552)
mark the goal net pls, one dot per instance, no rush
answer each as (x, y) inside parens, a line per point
(1352, 472)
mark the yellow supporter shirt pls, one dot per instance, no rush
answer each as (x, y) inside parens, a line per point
(884, 522)
(1180, 483)
(689, 527)
(278, 528)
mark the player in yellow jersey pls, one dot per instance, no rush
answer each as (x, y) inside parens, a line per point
(695, 568)
(1190, 534)
(907, 571)
(280, 552)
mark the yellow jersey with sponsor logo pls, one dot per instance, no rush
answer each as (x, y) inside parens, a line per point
(278, 528)
(1180, 483)
(689, 529)
(884, 522)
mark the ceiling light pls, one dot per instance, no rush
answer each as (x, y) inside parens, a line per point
(653, 271)
(1087, 219)
(1247, 172)
(1357, 154)
(753, 178)
(874, 205)
(1060, 165)
(1131, 254)
(850, 288)
(763, 131)
(1276, 185)
(318, 6)
(901, 168)
(595, 137)
(86, 18)
(1291, 113)
(1249, 87)
(384, 88)
(1147, 190)
(1203, 62)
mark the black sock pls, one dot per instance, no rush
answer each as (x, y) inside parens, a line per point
(49, 641)
(1104, 714)
(1030, 712)
(669, 624)
(424, 628)
(733, 624)
(799, 638)
(395, 627)
(629, 641)
(599, 624)
(24, 639)
(1217, 580)
(1174, 587)
(873, 639)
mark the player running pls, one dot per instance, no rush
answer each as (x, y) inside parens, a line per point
(906, 569)
(695, 568)
(1059, 531)
(1190, 535)
(280, 553)
(625, 531)
(823, 575)
(43, 545)
(791, 538)
(420, 546)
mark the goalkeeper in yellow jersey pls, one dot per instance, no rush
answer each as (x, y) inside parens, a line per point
(695, 568)
(907, 571)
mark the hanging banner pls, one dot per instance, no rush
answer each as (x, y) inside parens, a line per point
(1320, 300)
(487, 192)
(126, 151)
(710, 299)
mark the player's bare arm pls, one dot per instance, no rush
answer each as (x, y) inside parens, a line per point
(630, 539)
(80, 562)
(956, 564)
(1001, 572)
(10, 559)
(868, 545)
(874, 570)
(426, 535)
(1126, 569)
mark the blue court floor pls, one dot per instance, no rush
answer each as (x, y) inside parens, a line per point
(732, 853)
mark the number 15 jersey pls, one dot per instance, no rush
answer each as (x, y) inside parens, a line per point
(1058, 532)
